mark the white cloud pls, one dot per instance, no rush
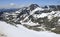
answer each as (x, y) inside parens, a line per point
(12, 4)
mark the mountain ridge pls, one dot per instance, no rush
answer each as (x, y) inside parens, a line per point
(35, 18)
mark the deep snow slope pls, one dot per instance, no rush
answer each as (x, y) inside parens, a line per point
(20, 31)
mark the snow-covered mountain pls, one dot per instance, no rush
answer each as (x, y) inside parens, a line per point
(35, 18)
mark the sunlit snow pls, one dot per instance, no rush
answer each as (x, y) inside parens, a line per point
(21, 31)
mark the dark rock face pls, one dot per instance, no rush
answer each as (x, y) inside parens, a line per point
(1, 15)
(53, 8)
(23, 11)
(33, 6)
(58, 7)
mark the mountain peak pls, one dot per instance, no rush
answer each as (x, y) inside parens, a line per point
(33, 6)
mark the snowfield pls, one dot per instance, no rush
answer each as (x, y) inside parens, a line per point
(20, 31)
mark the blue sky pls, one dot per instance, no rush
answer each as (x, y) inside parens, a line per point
(26, 2)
